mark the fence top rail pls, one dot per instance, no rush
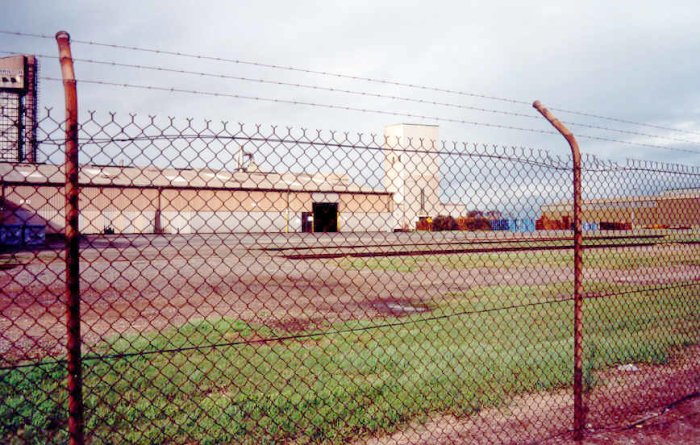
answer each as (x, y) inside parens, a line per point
(117, 132)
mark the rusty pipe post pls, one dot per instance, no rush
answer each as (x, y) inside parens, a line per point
(72, 194)
(579, 414)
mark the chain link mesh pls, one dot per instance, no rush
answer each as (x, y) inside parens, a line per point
(254, 284)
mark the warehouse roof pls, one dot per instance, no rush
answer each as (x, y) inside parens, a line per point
(622, 201)
(115, 176)
(682, 193)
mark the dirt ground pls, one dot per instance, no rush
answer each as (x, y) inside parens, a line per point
(679, 424)
(142, 283)
(617, 412)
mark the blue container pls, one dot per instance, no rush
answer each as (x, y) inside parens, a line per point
(590, 226)
(525, 225)
(499, 224)
(34, 235)
(11, 234)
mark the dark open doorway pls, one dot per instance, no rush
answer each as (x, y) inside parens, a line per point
(325, 216)
(307, 223)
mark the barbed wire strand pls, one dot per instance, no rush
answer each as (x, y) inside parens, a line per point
(301, 102)
(624, 121)
(364, 110)
(630, 132)
(358, 93)
(350, 77)
(290, 84)
(271, 66)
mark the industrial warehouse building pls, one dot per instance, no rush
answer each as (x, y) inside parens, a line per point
(669, 209)
(235, 198)
(149, 200)
(242, 198)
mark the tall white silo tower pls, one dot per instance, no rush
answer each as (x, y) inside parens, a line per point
(412, 172)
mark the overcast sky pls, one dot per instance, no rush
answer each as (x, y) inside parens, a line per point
(627, 59)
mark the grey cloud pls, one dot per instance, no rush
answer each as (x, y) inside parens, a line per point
(636, 61)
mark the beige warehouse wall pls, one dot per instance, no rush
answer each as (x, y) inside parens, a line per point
(128, 210)
(652, 211)
(118, 199)
(680, 211)
(365, 203)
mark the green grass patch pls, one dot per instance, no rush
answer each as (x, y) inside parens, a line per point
(332, 388)
(615, 258)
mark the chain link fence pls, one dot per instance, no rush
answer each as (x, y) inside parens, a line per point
(252, 284)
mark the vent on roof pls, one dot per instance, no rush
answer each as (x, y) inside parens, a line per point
(92, 171)
(31, 173)
(175, 178)
(218, 175)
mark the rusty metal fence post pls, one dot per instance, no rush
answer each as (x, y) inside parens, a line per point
(579, 414)
(72, 232)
